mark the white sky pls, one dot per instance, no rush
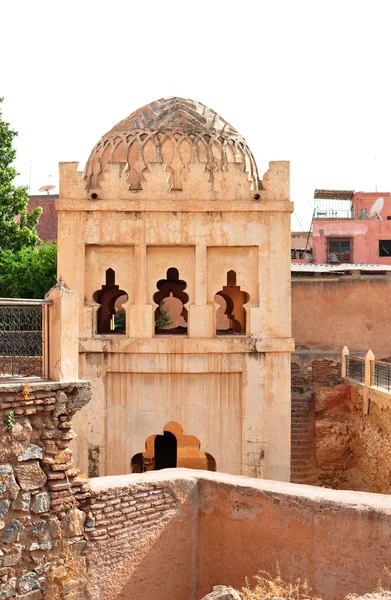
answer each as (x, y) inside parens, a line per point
(305, 81)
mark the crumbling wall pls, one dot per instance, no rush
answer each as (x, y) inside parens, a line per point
(40, 491)
(353, 449)
(310, 371)
(142, 537)
(371, 444)
(176, 533)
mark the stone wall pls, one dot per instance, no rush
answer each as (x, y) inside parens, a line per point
(176, 533)
(311, 370)
(353, 449)
(331, 434)
(40, 491)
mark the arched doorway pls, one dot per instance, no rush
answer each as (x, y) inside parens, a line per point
(172, 449)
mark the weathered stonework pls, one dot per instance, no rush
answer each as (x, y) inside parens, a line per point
(171, 197)
(39, 487)
(177, 533)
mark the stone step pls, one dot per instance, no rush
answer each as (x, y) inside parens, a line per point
(301, 471)
(297, 456)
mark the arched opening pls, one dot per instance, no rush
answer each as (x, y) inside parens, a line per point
(231, 314)
(138, 463)
(210, 462)
(172, 449)
(111, 314)
(165, 451)
(171, 313)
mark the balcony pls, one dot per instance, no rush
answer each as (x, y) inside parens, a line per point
(333, 208)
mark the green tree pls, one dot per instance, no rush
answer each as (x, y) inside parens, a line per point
(28, 273)
(163, 320)
(15, 232)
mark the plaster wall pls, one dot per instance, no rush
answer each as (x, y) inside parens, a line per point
(212, 529)
(100, 258)
(140, 404)
(365, 200)
(345, 311)
(231, 392)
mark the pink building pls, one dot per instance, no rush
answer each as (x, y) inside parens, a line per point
(344, 232)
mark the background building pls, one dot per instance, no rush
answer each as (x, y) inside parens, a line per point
(344, 231)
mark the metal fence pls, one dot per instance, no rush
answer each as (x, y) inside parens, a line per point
(23, 334)
(355, 368)
(381, 375)
(333, 209)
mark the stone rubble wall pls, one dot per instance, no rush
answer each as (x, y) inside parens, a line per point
(309, 372)
(333, 443)
(40, 489)
(353, 450)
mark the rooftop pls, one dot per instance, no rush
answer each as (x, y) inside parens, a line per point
(342, 268)
(334, 194)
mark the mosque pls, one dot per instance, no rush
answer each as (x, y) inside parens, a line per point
(180, 256)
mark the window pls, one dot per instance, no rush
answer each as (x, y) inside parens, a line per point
(231, 314)
(111, 314)
(385, 248)
(339, 250)
(171, 313)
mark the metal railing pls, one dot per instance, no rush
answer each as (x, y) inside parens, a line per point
(333, 209)
(23, 337)
(381, 375)
(355, 368)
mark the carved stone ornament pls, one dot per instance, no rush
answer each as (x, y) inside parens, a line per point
(177, 132)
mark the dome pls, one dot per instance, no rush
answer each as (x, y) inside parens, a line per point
(174, 131)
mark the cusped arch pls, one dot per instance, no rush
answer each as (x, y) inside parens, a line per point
(111, 299)
(232, 310)
(188, 452)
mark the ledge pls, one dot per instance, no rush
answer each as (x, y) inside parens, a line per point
(186, 345)
(315, 495)
(41, 385)
(181, 206)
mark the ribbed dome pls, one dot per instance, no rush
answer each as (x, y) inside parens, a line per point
(175, 131)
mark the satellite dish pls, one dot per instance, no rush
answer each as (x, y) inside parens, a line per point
(47, 188)
(377, 207)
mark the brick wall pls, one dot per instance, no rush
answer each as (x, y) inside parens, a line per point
(175, 533)
(141, 531)
(47, 226)
(308, 373)
(40, 490)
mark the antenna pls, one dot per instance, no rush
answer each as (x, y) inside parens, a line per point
(376, 209)
(47, 188)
